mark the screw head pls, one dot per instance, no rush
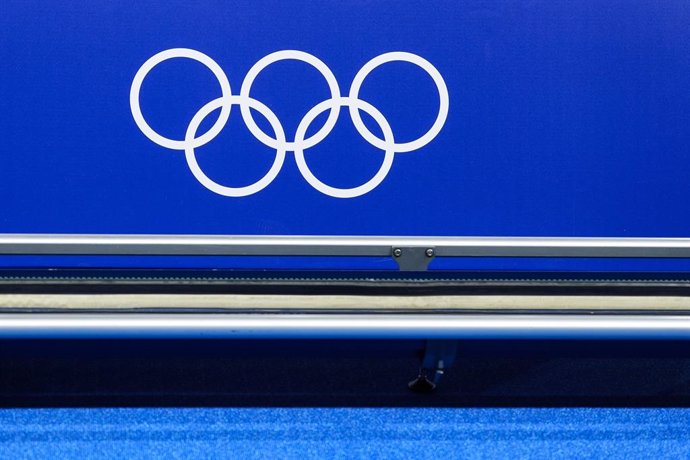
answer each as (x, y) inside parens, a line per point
(429, 252)
(397, 252)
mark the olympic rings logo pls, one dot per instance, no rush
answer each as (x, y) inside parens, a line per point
(279, 142)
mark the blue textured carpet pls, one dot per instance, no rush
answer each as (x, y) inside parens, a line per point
(345, 433)
(342, 399)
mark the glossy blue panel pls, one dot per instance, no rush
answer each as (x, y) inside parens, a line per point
(565, 118)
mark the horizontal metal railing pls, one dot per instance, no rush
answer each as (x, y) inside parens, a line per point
(328, 326)
(72, 244)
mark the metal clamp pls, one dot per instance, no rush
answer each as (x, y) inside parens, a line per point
(414, 259)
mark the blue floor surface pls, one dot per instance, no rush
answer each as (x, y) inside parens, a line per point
(345, 433)
(342, 399)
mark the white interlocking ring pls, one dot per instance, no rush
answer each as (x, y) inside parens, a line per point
(136, 89)
(297, 56)
(443, 100)
(279, 141)
(214, 186)
(389, 144)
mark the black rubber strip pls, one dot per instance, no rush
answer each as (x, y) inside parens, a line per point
(146, 281)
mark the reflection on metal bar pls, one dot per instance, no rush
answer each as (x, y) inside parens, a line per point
(312, 326)
(372, 246)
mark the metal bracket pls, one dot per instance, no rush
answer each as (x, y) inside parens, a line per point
(415, 259)
(439, 355)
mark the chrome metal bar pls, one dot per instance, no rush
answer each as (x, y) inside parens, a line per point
(373, 246)
(308, 326)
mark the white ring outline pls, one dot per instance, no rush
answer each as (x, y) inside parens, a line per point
(208, 182)
(279, 143)
(296, 55)
(387, 160)
(435, 75)
(135, 90)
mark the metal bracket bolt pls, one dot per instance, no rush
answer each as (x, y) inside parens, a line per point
(413, 258)
(397, 252)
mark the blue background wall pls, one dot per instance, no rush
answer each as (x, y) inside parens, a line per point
(566, 118)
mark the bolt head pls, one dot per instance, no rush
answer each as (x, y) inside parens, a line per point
(397, 252)
(429, 252)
